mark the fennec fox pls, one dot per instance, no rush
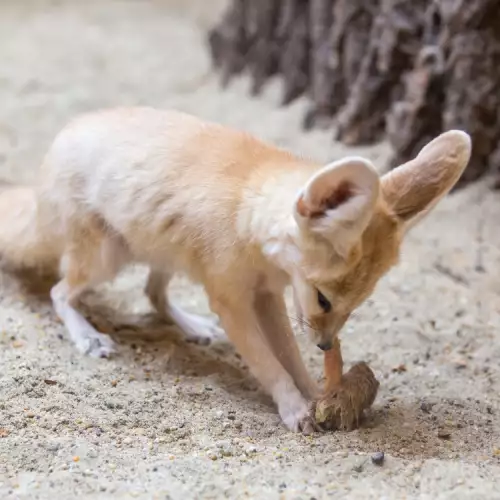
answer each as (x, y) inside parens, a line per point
(241, 217)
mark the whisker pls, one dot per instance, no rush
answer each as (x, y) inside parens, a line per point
(302, 322)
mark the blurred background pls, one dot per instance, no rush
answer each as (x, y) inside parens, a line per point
(168, 420)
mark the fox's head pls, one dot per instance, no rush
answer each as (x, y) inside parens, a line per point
(351, 225)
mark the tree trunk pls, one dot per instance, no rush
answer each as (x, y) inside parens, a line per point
(404, 70)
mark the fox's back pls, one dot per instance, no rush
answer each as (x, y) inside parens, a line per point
(158, 178)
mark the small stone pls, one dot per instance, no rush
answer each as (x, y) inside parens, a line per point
(30, 414)
(76, 458)
(399, 369)
(426, 407)
(443, 434)
(460, 363)
(50, 382)
(127, 440)
(358, 467)
(378, 458)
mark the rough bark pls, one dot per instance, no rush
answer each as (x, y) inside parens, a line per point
(401, 69)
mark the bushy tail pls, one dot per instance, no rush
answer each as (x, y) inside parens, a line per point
(25, 242)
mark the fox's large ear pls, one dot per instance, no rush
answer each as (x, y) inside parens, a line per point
(414, 188)
(338, 201)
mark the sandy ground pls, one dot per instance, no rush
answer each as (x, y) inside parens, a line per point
(165, 419)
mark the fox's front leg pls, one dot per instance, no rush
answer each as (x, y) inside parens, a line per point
(273, 317)
(239, 319)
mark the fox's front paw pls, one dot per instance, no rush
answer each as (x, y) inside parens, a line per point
(296, 415)
(308, 425)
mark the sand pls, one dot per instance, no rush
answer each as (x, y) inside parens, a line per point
(166, 419)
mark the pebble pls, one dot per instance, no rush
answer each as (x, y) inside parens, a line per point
(400, 368)
(426, 407)
(460, 363)
(358, 467)
(378, 458)
(443, 434)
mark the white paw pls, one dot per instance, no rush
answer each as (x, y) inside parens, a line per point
(96, 345)
(197, 329)
(295, 412)
(203, 330)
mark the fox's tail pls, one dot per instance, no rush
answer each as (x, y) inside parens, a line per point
(25, 242)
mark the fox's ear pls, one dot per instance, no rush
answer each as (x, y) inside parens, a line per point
(338, 201)
(414, 188)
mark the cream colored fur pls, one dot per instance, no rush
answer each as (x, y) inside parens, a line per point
(241, 217)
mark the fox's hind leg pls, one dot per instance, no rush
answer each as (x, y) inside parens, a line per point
(91, 257)
(196, 328)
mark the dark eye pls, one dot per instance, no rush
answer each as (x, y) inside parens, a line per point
(324, 303)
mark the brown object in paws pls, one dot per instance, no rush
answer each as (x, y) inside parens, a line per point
(346, 399)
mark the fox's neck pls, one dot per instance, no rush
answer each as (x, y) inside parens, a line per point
(267, 215)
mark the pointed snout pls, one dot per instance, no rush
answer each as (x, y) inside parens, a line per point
(327, 340)
(325, 346)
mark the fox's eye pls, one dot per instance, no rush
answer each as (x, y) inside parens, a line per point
(324, 303)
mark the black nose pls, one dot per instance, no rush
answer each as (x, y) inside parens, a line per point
(325, 346)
